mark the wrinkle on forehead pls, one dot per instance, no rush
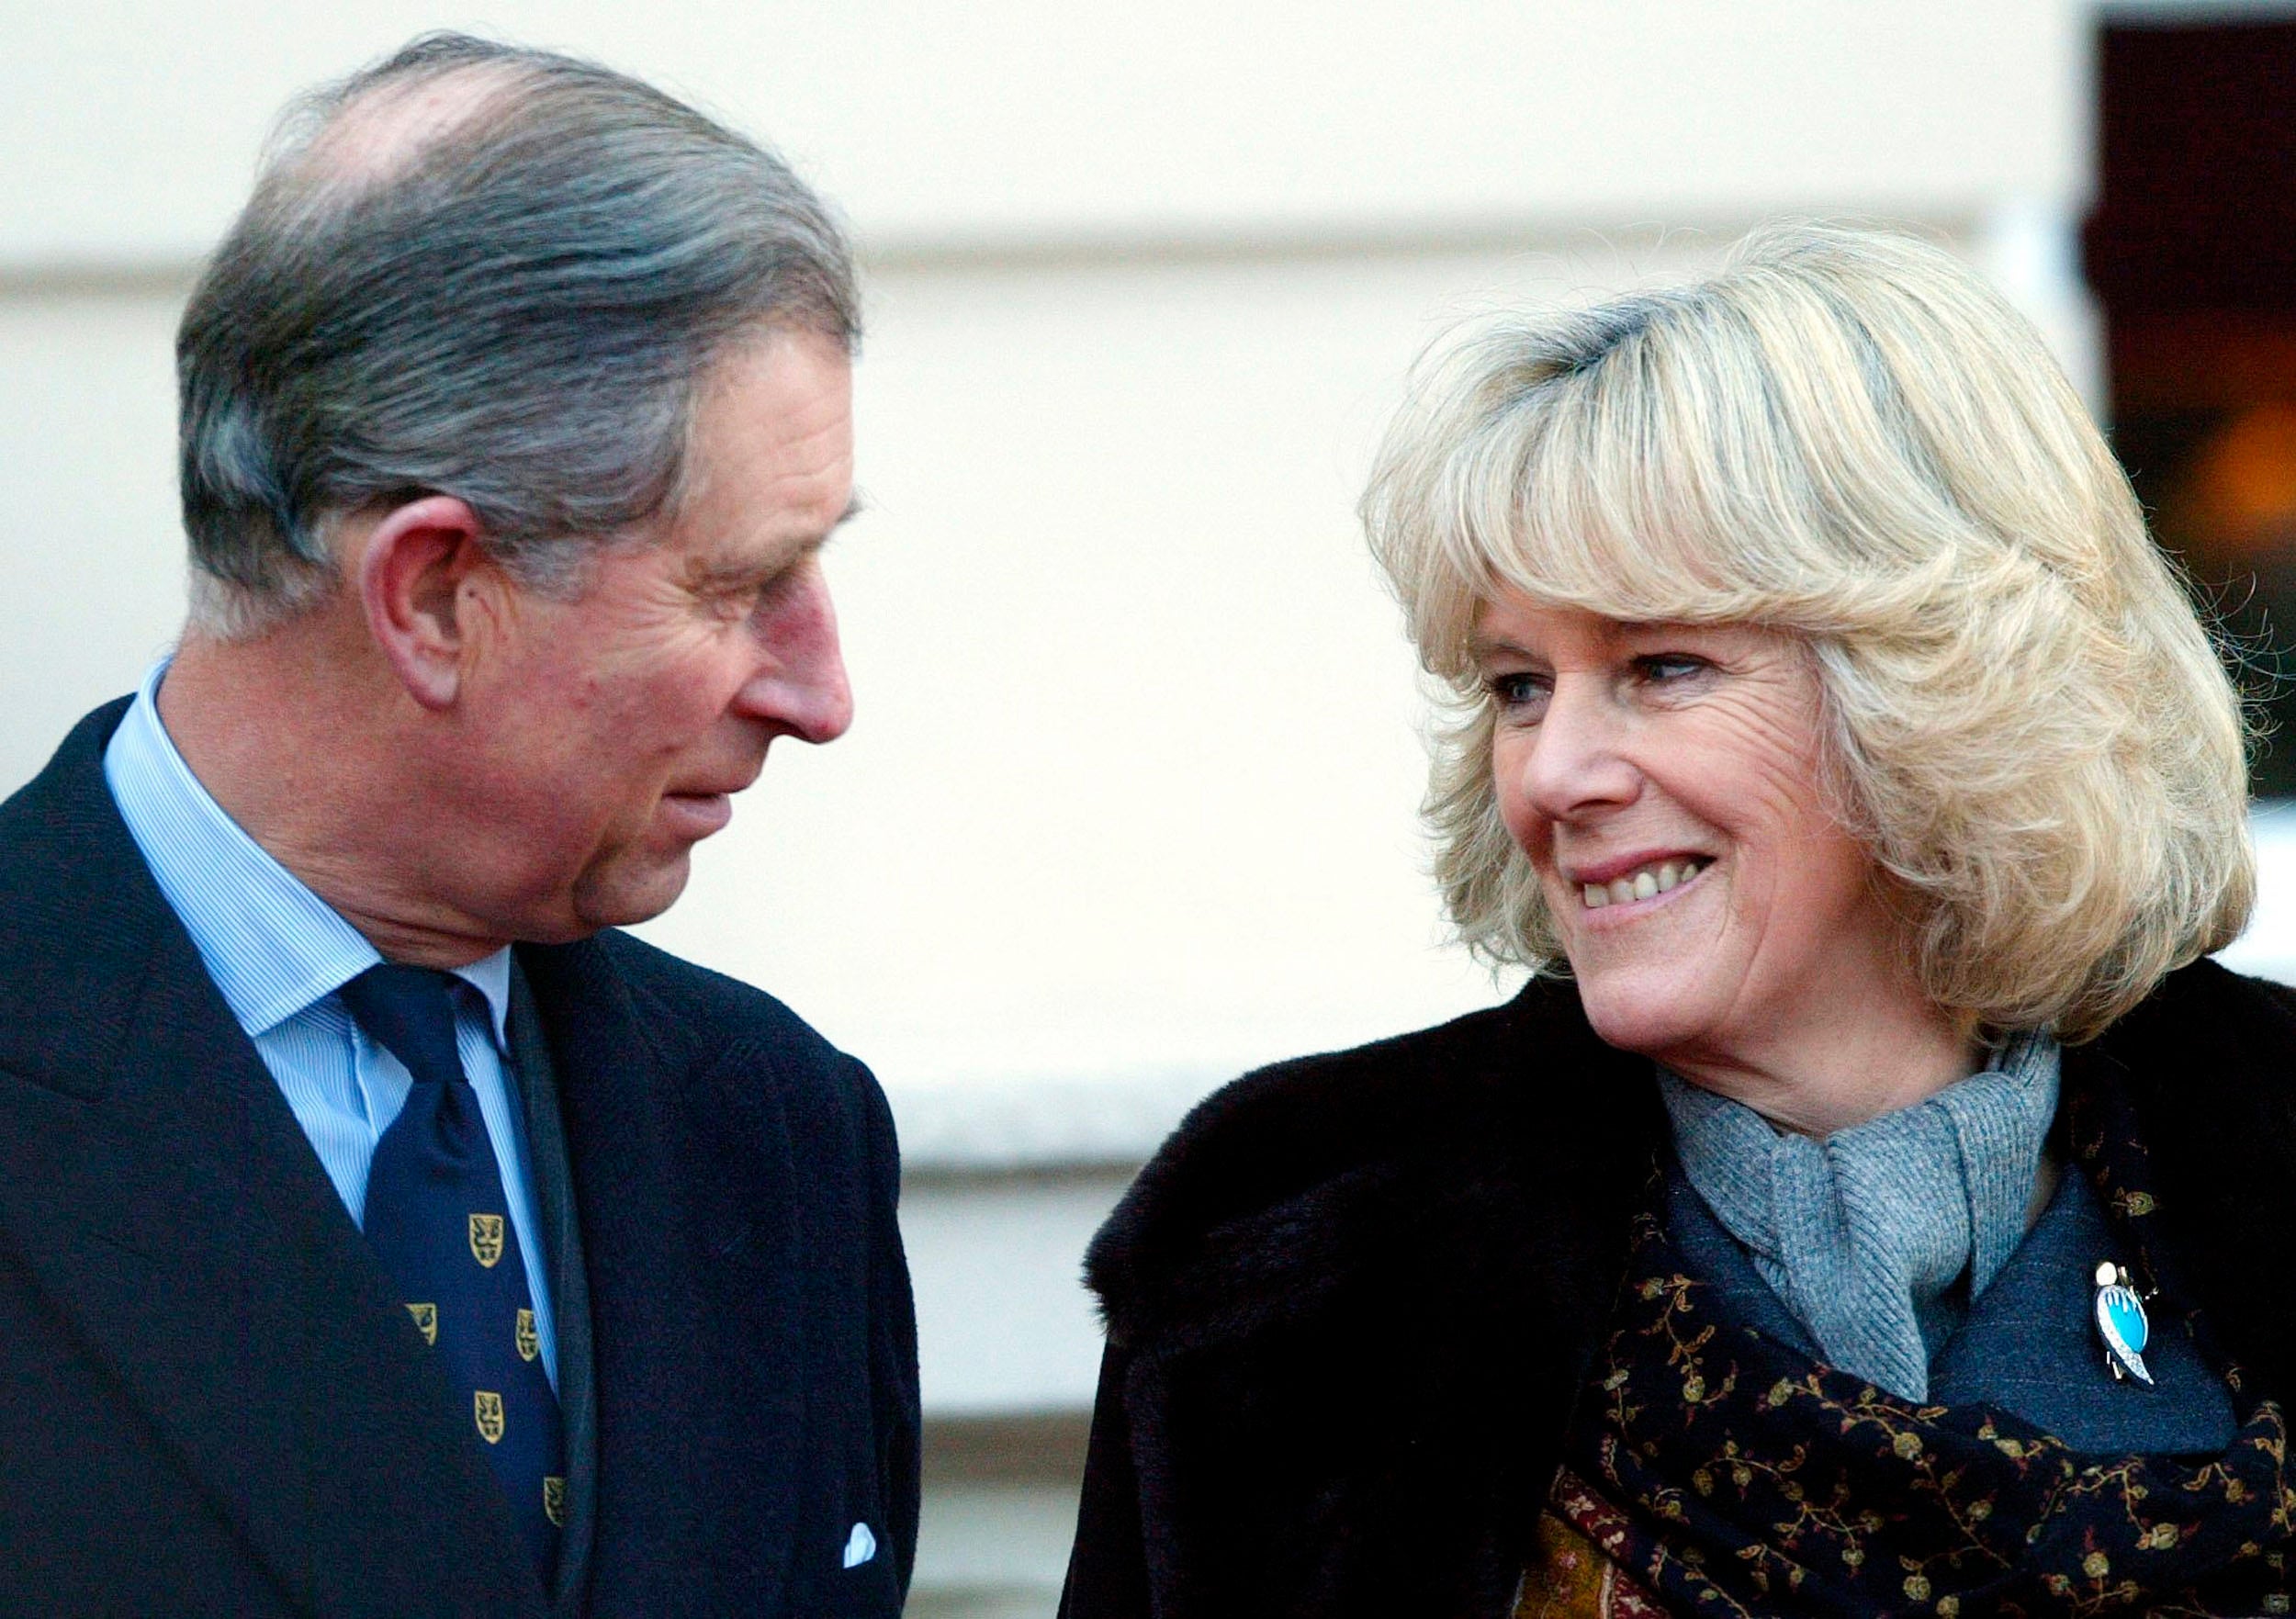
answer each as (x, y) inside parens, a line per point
(386, 131)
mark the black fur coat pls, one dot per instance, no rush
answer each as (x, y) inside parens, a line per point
(1350, 1302)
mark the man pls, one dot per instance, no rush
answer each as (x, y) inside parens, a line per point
(380, 1232)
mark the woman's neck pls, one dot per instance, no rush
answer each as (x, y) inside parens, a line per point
(1841, 1066)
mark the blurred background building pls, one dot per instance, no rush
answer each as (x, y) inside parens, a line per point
(1130, 804)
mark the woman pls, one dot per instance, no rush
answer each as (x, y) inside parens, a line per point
(1889, 1213)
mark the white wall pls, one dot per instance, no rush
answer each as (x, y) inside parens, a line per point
(129, 124)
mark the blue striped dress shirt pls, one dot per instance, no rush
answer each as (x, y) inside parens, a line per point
(279, 952)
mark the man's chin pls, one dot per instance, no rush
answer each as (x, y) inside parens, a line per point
(620, 897)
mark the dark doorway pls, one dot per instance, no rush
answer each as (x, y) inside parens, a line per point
(2192, 250)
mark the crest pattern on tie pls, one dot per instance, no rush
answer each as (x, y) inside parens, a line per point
(437, 1219)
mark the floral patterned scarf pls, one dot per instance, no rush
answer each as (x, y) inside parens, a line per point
(1711, 1470)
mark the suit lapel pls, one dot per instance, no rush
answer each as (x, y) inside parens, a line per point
(569, 1286)
(694, 1255)
(156, 1186)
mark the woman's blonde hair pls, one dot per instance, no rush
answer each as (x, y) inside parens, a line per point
(1847, 436)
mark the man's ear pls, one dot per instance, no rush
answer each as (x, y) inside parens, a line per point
(409, 575)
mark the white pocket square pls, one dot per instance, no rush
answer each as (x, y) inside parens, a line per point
(860, 1547)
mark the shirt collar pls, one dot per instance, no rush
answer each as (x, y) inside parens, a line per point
(273, 947)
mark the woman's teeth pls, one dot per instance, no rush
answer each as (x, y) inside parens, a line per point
(1647, 884)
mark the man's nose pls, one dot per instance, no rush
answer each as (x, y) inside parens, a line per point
(1578, 761)
(799, 685)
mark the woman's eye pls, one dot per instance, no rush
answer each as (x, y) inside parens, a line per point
(1518, 690)
(1664, 668)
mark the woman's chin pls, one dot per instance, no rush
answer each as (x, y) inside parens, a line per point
(1649, 1014)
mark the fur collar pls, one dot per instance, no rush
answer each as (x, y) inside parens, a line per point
(1350, 1303)
(1278, 1192)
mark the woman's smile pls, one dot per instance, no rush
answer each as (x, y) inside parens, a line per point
(1640, 884)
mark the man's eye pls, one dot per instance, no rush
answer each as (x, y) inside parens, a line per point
(737, 600)
(767, 595)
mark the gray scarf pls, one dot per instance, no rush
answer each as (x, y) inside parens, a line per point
(1863, 1235)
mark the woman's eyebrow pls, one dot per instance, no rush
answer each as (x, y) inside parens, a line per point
(1481, 647)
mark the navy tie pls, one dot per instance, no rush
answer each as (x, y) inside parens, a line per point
(437, 1219)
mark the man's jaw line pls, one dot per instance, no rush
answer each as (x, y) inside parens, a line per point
(438, 941)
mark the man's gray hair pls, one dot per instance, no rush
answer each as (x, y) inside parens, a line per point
(518, 309)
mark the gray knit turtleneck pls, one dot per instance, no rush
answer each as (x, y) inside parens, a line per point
(1863, 1235)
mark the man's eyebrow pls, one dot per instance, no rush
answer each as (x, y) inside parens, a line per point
(854, 506)
(714, 574)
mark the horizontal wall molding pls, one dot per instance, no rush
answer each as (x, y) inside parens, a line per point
(172, 275)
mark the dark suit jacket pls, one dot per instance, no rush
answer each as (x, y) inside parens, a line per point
(1352, 1301)
(211, 1401)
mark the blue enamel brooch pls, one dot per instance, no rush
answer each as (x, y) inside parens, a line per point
(2121, 1324)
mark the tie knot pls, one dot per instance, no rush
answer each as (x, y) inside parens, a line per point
(409, 1012)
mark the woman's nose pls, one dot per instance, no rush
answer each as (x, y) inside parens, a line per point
(1578, 761)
